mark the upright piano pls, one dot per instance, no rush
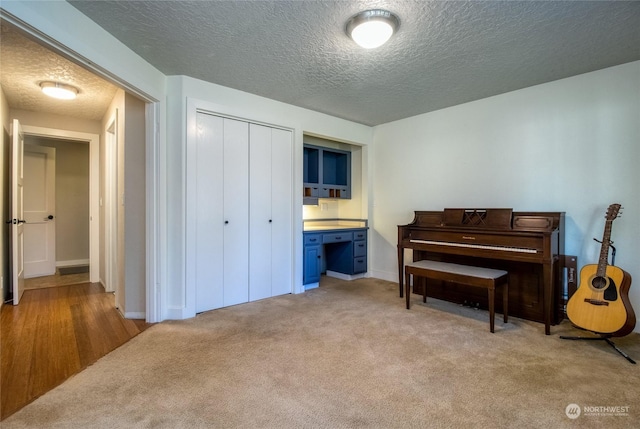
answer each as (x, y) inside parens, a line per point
(529, 245)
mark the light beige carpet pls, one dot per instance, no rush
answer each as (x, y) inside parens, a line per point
(347, 355)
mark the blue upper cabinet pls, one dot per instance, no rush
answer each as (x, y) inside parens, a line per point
(327, 173)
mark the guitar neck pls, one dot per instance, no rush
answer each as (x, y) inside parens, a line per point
(604, 250)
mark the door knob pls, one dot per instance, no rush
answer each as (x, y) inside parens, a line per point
(50, 217)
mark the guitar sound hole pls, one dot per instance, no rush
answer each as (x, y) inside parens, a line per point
(611, 291)
(599, 282)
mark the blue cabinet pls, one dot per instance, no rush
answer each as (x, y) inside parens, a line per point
(327, 173)
(344, 250)
(312, 258)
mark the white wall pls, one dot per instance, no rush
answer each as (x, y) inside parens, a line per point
(572, 145)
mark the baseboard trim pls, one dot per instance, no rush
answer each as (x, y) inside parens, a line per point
(135, 315)
(72, 263)
(342, 276)
(384, 275)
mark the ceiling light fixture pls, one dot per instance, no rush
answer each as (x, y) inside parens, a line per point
(59, 90)
(372, 28)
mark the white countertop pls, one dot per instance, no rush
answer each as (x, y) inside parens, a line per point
(333, 224)
(330, 227)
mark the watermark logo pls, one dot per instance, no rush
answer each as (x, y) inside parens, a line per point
(573, 411)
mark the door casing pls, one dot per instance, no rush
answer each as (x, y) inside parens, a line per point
(94, 187)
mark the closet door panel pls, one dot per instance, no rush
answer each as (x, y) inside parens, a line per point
(236, 212)
(260, 171)
(282, 211)
(209, 213)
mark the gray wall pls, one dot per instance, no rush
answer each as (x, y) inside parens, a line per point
(134, 204)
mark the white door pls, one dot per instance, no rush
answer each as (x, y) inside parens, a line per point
(222, 212)
(39, 211)
(271, 214)
(282, 212)
(261, 220)
(17, 219)
(236, 212)
(209, 219)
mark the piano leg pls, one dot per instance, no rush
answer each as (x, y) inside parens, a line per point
(408, 287)
(546, 298)
(400, 268)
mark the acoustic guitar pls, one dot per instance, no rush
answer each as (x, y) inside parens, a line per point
(601, 303)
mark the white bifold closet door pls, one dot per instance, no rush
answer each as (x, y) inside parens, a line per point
(270, 215)
(244, 212)
(222, 215)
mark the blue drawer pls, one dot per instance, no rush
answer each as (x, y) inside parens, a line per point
(360, 248)
(337, 237)
(359, 265)
(360, 235)
(310, 239)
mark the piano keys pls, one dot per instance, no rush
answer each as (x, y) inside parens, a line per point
(529, 245)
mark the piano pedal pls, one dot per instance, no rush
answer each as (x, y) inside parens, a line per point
(474, 305)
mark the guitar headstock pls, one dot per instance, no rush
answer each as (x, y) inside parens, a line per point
(613, 212)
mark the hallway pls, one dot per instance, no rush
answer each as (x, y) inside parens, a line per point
(54, 333)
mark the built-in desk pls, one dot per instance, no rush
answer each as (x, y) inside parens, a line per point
(337, 247)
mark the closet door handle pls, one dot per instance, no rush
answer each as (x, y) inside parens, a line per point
(226, 222)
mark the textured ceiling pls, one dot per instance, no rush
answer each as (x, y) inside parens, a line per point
(24, 64)
(445, 53)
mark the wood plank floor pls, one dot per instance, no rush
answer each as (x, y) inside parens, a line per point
(53, 334)
(55, 280)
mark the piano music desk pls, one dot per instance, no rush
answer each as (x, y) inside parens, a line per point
(474, 276)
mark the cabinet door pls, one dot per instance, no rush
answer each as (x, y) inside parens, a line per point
(312, 262)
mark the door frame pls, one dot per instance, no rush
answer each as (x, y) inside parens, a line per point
(111, 204)
(94, 186)
(156, 250)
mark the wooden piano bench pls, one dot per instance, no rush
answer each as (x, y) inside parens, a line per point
(464, 274)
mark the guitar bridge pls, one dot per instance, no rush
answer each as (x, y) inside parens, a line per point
(595, 301)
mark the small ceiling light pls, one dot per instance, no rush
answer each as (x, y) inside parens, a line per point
(372, 28)
(59, 90)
